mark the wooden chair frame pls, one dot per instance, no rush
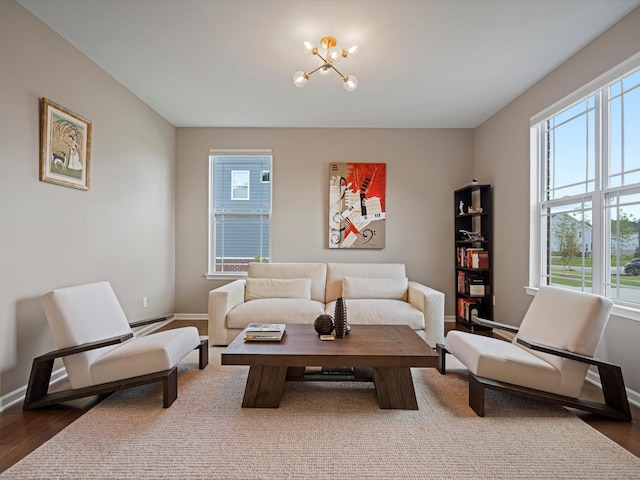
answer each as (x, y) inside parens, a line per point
(38, 395)
(616, 403)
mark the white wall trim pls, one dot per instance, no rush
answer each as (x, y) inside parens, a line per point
(17, 396)
(191, 316)
(632, 395)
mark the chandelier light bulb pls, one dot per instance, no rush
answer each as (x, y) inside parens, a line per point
(350, 52)
(325, 70)
(334, 55)
(300, 79)
(350, 83)
(308, 48)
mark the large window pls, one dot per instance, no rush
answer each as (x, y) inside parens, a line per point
(586, 160)
(239, 210)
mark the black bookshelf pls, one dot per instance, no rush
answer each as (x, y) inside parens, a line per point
(473, 255)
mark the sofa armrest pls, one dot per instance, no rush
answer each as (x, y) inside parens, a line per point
(431, 303)
(221, 301)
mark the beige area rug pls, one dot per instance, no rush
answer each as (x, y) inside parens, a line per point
(323, 431)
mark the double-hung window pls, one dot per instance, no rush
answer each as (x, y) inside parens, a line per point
(239, 210)
(586, 189)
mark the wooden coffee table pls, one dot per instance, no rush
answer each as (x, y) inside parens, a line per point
(383, 354)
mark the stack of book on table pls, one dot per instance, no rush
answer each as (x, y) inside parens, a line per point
(264, 332)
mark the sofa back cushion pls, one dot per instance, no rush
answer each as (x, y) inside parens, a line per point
(385, 288)
(317, 272)
(337, 271)
(278, 288)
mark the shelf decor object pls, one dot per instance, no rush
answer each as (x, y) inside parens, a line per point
(324, 324)
(340, 318)
(473, 254)
(331, 55)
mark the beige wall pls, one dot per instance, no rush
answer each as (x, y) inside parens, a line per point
(121, 230)
(423, 168)
(501, 155)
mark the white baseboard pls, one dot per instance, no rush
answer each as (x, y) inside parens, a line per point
(17, 396)
(632, 395)
(191, 316)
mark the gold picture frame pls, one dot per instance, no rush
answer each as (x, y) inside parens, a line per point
(65, 146)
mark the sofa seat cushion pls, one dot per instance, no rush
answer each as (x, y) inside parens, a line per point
(378, 311)
(507, 362)
(274, 310)
(147, 354)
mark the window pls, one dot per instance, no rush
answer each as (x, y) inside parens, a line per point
(586, 188)
(240, 184)
(239, 211)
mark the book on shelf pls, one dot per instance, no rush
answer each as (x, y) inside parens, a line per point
(480, 259)
(465, 306)
(471, 283)
(329, 373)
(472, 257)
(264, 331)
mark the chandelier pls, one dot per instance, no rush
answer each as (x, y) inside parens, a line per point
(331, 55)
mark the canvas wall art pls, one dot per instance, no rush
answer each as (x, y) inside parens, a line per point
(357, 208)
(65, 146)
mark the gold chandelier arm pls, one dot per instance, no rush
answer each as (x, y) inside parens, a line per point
(344, 77)
(313, 71)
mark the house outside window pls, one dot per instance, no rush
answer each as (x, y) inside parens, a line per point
(239, 210)
(586, 189)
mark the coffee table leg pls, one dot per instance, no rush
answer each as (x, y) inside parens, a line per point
(264, 387)
(394, 387)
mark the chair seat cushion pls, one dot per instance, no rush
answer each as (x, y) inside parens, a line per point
(143, 355)
(504, 361)
(378, 311)
(274, 310)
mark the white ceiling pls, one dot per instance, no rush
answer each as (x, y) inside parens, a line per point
(421, 64)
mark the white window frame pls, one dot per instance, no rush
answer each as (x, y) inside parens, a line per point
(211, 264)
(600, 244)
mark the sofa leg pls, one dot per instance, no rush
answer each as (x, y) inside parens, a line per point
(170, 388)
(476, 395)
(442, 351)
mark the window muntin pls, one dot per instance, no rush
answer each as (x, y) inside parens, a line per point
(240, 211)
(588, 196)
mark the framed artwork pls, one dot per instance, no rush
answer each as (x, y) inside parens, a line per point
(357, 205)
(65, 146)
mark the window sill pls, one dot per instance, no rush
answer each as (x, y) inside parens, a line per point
(226, 276)
(622, 311)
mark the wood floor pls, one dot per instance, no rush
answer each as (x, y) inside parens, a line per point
(22, 432)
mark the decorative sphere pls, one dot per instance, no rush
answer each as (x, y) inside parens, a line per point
(324, 324)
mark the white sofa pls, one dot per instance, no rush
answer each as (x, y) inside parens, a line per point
(375, 293)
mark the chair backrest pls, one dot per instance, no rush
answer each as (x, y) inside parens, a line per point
(83, 314)
(569, 320)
